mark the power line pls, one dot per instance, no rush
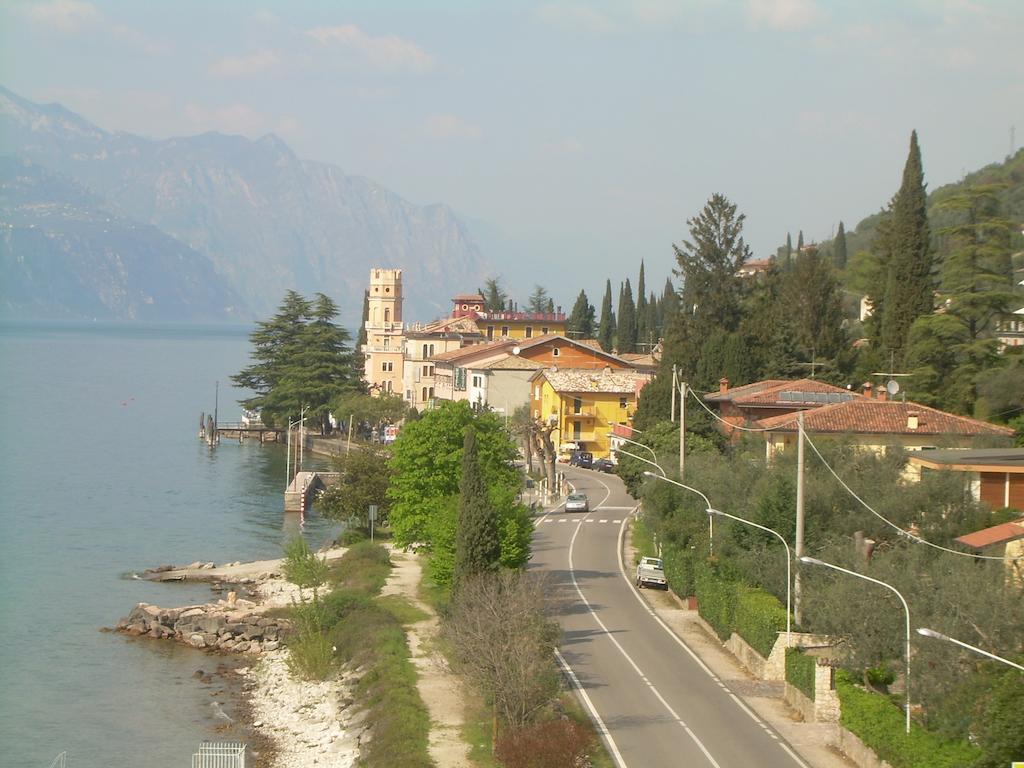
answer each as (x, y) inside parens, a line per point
(736, 426)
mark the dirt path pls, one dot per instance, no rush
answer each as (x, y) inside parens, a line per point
(440, 690)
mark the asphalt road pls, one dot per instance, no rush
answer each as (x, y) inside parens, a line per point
(655, 701)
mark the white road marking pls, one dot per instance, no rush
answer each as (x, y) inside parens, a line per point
(679, 641)
(601, 727)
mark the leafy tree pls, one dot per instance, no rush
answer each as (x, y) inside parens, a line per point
(909, 288)
(477, 546)
(303, 568)
(839, 248)
(426, 465)
(581, 320)
(606, 330)
(370, 412)
(539, 300)
(365, 476)
(625, 335)
(495, 297)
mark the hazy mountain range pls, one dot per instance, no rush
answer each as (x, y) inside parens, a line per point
(116, 226)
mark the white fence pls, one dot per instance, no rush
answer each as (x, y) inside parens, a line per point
(220, 754)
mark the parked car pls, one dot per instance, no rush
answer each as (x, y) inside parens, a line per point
(584, 459)
(603, 465)
(649, 572)
(577, 502)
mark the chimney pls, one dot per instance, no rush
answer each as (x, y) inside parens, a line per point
(607, 370)
(882, 394)
(723, 385)
(912, 420)
(866, 390)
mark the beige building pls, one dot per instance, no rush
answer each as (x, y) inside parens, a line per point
(383, 353)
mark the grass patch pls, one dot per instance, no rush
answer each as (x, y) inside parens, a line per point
(363, 568)
(478, 730)
(643, 541)
(437, 596)
(402, 609)
(599, 756)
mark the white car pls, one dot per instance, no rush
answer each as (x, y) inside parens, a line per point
(650, 573)
(577, 502)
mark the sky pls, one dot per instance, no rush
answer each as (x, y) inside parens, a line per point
(580, 135)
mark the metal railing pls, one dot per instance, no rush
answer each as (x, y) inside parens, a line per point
(220, 754)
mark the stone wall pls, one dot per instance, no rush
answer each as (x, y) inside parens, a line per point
(225, 626)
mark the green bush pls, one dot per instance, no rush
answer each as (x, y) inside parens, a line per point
(881, 726)
(353, 534)
(310, 656)
(679, 570)
(758, 618)
(800, 671)
(716, 601)
(301, 567)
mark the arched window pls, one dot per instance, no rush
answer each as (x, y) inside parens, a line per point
(387, 315)
(424, 398)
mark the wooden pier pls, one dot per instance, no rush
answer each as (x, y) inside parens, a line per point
(241, 432)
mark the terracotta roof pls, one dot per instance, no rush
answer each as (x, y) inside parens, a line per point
(747, 389)
(512, 363)
(550, 337)
(591, 380)
(997, 534)
(973, 459)
(468, 297)
(775, 393)
(465, 325)
(883, 417)
(473, 350)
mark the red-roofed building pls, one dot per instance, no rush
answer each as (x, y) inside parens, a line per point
(878, 424)
(748, 404)
(1007, 540)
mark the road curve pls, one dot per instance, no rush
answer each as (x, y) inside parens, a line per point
(658, 704)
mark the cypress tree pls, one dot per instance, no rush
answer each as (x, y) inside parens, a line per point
(625, 336)
(909, 289)
(800, 242)
(789, 249)
(581, 320)
(669, 306)
(477, 542)
(643, 330)
(358, 358)
(839, 248)
(606, 329)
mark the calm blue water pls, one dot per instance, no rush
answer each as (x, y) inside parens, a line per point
(101, 474)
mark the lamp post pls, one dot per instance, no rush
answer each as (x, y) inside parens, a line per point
(789, 567)
(939, 636)
(707, 503)
(891, 588)
(288, 451)
(645, 447)
(645, 461)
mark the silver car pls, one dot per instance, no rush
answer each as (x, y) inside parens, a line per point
(577, 502)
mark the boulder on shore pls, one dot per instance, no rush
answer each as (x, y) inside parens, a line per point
(224, 626)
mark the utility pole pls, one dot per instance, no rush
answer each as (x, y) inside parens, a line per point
(682, 429)
(799, 512)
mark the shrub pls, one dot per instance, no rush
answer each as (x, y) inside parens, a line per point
(716, 601)
(353, 534)
(881, 726)
(800, 670)
(545, 744)
(310, 656)
(301, 567)
(679, 570)
(758, 618)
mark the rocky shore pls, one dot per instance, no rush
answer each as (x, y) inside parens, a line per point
(307, 723)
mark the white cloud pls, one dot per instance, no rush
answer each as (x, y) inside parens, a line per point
(258, 63)
(783, 14)
(576, 17)
(446, 127)
(62, 15)
(388, 52)
(230, 118)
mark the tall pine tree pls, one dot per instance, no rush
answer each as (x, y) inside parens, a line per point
(580, 324)
(477, 541)
(909, 287)
(606, 329)
(625, 335)
(839, 248)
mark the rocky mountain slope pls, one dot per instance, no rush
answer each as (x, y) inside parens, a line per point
(266, 219)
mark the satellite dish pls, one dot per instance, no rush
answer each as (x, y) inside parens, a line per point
(515, 350)
(892, 387)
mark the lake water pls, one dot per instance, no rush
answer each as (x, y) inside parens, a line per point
(102, 475)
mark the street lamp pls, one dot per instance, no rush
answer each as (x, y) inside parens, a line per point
(707, 503)
(645, 461)
(646, 447)
(288, 451)
(789, 567)
(939, 636)
(906, 609)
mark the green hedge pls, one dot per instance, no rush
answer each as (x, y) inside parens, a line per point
(759, 618)
(678, 565)
(716, 601)
(881, 726)
(800, 671)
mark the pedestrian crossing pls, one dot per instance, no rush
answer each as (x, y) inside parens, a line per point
(585, 520)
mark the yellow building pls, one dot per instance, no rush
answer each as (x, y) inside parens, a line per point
(519, 325)
(583, 404)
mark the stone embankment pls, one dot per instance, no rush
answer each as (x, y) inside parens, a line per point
(234, 625)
